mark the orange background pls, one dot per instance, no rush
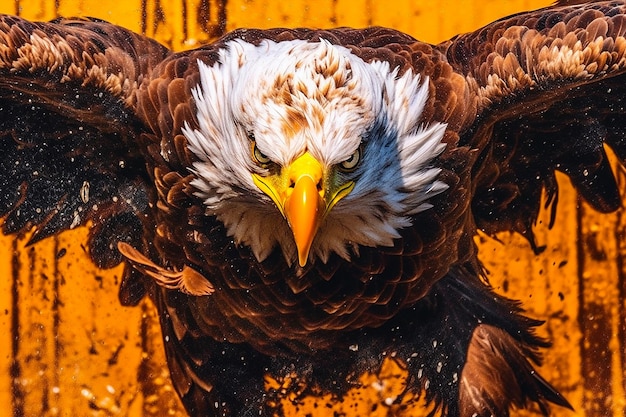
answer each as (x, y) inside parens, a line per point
(67, 348)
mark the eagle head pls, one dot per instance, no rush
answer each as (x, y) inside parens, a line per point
(305, 146)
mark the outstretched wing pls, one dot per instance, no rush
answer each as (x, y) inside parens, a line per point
(68, 134)
(551, 91)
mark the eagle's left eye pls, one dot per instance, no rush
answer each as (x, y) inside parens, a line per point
(352, 162)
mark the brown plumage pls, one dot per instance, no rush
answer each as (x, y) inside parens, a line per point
(101, 125)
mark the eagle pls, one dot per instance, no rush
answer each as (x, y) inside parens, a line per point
(303, 203)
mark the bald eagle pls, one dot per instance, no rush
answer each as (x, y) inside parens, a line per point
(304, 202)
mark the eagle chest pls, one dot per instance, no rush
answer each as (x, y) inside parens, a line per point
(269, 304)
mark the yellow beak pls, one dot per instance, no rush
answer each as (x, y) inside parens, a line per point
(303, 210)
(303, 202)
(300, 194)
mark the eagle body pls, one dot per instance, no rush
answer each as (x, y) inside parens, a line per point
(302, 203)
(264, 267)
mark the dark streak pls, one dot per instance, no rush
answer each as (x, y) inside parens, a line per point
(222, 17)
(185, 28)
(56, 318)
(61, 253)
(580, 262)
(159, 17)
(213, 24)
(621, 312)
(621, 280)
(114, 358)
(144, 371)
(16, 369)
(595, 325)
(144, 16)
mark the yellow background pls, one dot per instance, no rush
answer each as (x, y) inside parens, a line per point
(67, 348)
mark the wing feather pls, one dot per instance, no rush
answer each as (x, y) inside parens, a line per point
(550, 88)
(68, 131)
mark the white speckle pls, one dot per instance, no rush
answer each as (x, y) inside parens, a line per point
(84, 192)
(75, 221)
(122, 164)
(87, 393)
(167, 338)
(420, 372)
(455, 377)
(585, 172)
(427, 384)
(439, 366)
(110, 389)
(435, 343)
(354, 348)
(389, 401)
(56, 390)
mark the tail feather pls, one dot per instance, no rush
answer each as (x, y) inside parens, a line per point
(482, 362)
(497, 373)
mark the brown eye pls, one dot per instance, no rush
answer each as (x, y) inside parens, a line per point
(352, 162)
(259, 156)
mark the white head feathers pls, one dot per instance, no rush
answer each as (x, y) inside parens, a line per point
(299, 96)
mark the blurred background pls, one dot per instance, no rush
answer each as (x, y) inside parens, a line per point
(67, 348)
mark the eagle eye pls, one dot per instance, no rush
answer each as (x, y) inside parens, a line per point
(352, 162)
(259, 157)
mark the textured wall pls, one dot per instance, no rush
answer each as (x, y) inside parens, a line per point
(67, 347)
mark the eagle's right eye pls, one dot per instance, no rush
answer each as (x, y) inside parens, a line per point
(258, 156)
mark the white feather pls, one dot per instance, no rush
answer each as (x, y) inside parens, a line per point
(285, 95)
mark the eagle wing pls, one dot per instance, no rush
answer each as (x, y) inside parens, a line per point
(69, 136)
(550, 91)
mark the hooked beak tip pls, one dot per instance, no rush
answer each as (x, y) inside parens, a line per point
(304, 209)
